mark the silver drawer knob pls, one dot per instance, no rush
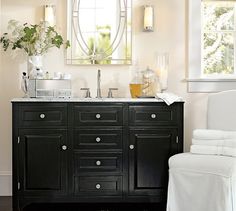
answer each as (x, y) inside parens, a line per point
(153, 116)
(131, 146)
(98, 163)
(64, 147)
(98, 139)
(98, 116)
(98, 186)
(42, 116)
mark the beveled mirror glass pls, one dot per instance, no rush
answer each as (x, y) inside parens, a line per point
(99, 32)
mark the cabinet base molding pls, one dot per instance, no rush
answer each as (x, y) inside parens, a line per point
(98, 207)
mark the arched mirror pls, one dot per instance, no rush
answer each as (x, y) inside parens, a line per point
(99, 32)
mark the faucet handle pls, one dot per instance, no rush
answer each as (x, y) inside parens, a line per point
(87, 94)
(110, 92)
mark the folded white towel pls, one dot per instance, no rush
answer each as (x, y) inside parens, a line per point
(206, 134)
(213, 150)
(213, 142)
(169, 98)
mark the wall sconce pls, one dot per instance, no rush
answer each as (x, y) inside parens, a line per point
(50, 14)
(148, 18)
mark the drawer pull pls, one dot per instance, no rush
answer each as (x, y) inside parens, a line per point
(98, 116)
(153, 116)
(64, 147)
(42, 116)
(131, 146)
(98, 186)
(98, 139)
(98, 163)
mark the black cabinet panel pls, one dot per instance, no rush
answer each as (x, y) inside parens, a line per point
(42, 172)
(98, 139)
(153, 115)
(40, 115)
(98, 162)
(148, 160)
(43, 160)
(98, 115)
(99, 185)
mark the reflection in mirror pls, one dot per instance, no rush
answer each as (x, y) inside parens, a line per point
(99, 31)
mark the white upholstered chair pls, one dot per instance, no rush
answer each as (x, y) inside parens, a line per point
(206, 182)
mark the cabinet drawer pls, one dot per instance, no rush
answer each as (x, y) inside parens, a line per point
(98, 162)
(98, 139)
(98, 115)
(43, 115)
(100, 185)
(153, 115)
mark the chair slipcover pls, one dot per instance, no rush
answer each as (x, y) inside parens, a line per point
(206, 182)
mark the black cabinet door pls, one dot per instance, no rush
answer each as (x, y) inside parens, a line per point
(43, 158)
(149, 151)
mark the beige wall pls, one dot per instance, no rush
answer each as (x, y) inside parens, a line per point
(169, 36)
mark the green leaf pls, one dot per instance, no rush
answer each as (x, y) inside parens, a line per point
(26, 39)
(67, 44)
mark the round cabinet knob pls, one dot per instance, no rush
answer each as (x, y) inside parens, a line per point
(98, 139)
(98, 163)
(98, 116)
(131, 146)
(153, 116)
(98, 186)
(42, 116)
(64, 147)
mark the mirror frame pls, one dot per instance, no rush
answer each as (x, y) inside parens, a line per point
(75, 36)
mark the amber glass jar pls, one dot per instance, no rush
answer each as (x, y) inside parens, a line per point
(136, 84)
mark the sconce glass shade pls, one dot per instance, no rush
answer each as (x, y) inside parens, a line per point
(148, 18)
(49, 14)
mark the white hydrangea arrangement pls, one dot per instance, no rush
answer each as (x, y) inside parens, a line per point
(33, 39)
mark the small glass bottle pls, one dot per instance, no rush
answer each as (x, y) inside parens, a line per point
(47, 76)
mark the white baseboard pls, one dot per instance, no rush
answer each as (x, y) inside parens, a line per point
(5, 183)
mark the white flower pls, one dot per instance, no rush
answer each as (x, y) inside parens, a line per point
(33, 39)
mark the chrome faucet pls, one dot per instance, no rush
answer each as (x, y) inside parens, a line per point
(99, 84)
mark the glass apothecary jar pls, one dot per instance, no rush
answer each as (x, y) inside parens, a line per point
(150, 83)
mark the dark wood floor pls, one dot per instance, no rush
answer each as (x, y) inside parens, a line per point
(6, 204)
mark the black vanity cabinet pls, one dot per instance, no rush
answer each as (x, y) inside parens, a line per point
(97, 152)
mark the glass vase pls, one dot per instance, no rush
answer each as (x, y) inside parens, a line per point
(35, 67)
(162, 65)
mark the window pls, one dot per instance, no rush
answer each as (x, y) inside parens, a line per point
(218, 38)
(211, 45)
